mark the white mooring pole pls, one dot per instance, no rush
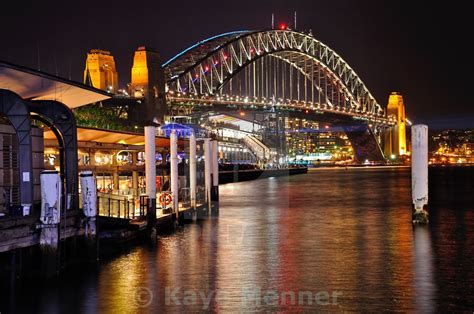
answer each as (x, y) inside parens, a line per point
(89, 208)
(192, 169)
(215, 176)
(174, 170)
(89, 201)
(207, 170)
(50, 219)
(419, 172)
(150, 174)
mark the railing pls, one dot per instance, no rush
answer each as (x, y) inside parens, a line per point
(119, 206)
(200, 195)
(185, 197)
(133, 207)
(257, 147)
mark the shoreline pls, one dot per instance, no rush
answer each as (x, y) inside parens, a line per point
(310, 169)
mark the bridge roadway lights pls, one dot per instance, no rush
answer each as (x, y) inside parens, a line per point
(419, 172)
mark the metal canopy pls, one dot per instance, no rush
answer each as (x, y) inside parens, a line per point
(112, 137)
(35, 85)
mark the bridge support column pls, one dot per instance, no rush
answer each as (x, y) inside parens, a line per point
(419, 172)
(150, 175)
(50, 219)
(192, 172)
(215, 178)
(174, 172)
(89, 208)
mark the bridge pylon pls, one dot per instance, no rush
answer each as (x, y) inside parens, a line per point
(395, 143)
(148, 83)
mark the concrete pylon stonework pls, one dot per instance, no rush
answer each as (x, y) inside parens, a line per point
(100, 71)
(395, 136)
(148, 83)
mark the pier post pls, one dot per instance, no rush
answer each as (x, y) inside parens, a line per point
(116, 179)
(207, 171)
(50, 218)
(192, 170)
(174, 172)
(215, 177)
(135, 182)
(419, 172)
(150, 175)
(89, 208)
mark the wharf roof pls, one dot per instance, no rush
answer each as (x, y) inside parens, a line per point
(31, 84)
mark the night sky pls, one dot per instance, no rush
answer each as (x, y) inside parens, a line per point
(418, 49)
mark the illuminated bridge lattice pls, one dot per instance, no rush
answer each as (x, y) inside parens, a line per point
(281, 68)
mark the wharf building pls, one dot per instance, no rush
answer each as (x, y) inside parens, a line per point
(42, 136)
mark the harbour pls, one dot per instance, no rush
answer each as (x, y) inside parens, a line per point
(360, 245)
(232, 157)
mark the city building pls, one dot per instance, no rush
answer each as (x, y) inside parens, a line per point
(313, 142)
(452, 147)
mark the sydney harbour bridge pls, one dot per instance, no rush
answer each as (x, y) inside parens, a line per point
(282, 71)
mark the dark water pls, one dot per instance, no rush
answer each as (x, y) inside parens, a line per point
(332, 240)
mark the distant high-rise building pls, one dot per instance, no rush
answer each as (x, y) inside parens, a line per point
(148, 83)
(100, 71)
(395, 137)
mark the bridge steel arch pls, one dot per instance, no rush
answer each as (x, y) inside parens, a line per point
(208, 65)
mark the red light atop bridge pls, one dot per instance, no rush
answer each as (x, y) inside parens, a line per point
(283, 26)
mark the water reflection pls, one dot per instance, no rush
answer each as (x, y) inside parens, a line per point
(424, 275)
(342, 233)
